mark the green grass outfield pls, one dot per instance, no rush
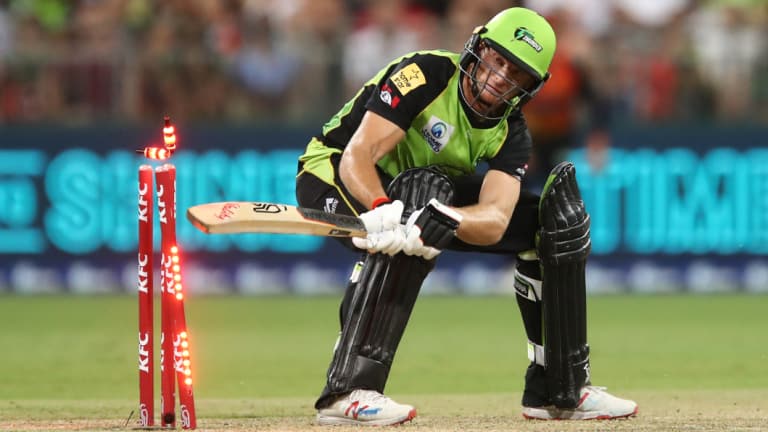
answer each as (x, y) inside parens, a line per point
(76, 357)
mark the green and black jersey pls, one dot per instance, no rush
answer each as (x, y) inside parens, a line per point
(419, 92)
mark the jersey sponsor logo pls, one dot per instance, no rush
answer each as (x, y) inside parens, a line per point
(387, 97)
(522, 34)
(409, 78)
(437, 133)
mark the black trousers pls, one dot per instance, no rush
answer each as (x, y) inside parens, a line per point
(313, 192)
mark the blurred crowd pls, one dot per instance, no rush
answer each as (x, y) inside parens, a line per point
(298, 61)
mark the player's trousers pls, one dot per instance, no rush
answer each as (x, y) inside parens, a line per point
(332, 196)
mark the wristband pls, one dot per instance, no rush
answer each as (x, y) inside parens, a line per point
(379, 201)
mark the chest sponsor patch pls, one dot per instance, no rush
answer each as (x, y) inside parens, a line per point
(408, 78)
(437, 133)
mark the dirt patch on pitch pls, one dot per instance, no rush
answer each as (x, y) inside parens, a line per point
(716, 411)
(643, 423)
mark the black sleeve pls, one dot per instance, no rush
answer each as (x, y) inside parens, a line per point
(514, 154)
(409, 87)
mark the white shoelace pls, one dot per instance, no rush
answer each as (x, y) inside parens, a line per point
(370, 396)
(599, 389)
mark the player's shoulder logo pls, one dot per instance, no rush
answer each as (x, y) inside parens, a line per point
(437, 133)
(408, 78)
(388, 96)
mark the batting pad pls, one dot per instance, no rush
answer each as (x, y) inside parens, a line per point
(563, 245)
(376, 311)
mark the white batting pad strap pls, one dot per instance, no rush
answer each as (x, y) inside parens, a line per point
(527, 287)
(536, 353)
(336, 344)
(451, 213)
(356, 270)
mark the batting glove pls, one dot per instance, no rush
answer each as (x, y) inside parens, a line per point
(385, 232)
(430, 229)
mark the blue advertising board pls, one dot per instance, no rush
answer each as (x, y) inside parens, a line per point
(671, 210)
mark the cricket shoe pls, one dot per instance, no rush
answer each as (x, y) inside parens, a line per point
(365, 408)
(595, 404)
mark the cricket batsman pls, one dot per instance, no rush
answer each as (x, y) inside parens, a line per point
(403, 155)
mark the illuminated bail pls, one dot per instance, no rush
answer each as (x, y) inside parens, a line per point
(169, 141)
(155, 153)
(169, 134)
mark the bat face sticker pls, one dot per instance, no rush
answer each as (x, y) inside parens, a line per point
(264, 207)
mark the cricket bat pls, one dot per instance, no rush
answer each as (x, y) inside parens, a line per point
(261, 217)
